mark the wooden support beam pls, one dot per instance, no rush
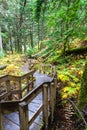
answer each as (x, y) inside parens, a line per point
(23, 116)
(52, 100)
(32, 82)
(45, 105)
(55, 85)
(27, 84)
(8, 87)
(1, 125)
(20, 95)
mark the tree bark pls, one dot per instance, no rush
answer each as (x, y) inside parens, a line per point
(1, 48)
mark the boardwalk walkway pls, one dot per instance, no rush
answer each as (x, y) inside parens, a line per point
(11, 121)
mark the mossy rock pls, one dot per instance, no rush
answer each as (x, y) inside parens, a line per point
(2, 67)
(82, 102)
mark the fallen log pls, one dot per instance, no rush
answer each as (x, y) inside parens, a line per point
(2, 67)
(77, 51)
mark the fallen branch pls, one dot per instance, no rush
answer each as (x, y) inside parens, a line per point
(78, 111)
(77, 51)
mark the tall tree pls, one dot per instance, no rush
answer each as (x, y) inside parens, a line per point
(1, 48)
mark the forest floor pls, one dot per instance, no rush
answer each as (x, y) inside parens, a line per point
(65, 116)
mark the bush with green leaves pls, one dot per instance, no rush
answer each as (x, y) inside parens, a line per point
(31, 51)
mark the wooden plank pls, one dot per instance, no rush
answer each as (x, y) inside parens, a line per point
(9, 125)
(39, 119)
(27, 74)
(28, 110)
(35, 115)
(28, 84)
(8, 107)
(33, 107)
(8, 87)
(4, 78)
(1, 125)
(30, 96)
(20, 88)
(35, 126)
(13, 117)
(45, 107)
(52, 100)
(6, 94)
(14, 78)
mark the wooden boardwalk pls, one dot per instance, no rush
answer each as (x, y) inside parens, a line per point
(11, 121)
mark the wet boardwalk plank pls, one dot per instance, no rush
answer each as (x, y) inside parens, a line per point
(11, 121)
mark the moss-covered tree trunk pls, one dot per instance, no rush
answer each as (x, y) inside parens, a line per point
(83, 90)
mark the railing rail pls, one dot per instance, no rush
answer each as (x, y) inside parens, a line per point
(47, 69)
(16, 87)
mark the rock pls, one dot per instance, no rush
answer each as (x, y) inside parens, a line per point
(2, 67)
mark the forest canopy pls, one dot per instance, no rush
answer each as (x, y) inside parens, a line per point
(26, 24)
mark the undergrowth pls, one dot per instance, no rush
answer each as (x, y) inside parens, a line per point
(69, 70)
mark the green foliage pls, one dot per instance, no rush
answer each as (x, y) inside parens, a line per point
(31, 51)
(2, 54)
(69, 74)
(40, 7)
(28, 23)
(86, 128)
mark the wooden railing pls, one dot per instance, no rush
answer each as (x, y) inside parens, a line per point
(48, 90)
(15, 87)
(47, 69)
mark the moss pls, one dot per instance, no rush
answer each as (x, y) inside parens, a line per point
(83, 89)
(76, 51)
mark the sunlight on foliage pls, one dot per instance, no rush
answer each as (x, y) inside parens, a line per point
(12, 69)
(63, 77)
(70, 76)
(13, 62)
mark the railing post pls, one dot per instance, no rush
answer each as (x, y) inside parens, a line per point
(8, 86)
(32, 80)
(1, 125)
(52, 100)
(45, 105)
(40, 70)
(27, 84)
(55, 86)
(20, 96)
(23, 116)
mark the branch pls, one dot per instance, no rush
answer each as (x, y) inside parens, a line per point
(78, 111)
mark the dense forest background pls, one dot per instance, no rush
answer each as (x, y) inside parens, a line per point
(38, 24)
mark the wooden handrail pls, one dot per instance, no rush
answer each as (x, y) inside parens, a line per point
(8, 89)
(12, 77)
(43, 69)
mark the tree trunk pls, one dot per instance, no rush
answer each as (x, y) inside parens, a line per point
(11, 47)
(1, 48)
(38, 35)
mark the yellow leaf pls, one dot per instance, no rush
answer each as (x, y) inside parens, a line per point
(64, 96)
(65, 89)
(71, 84)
